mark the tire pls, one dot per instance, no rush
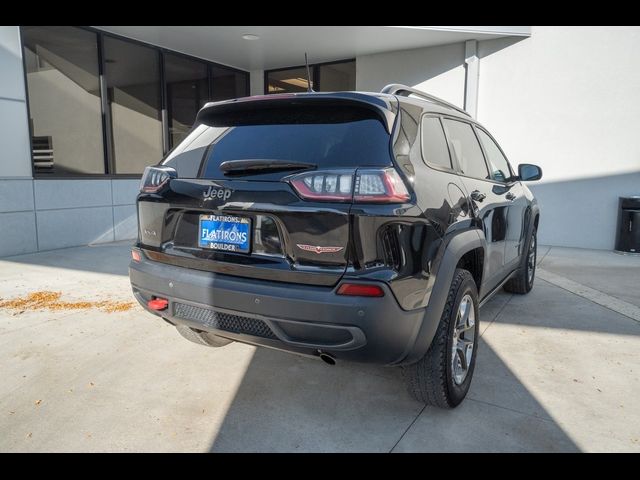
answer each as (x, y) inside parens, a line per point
(434, 379)
(522, 282)
(202, 338)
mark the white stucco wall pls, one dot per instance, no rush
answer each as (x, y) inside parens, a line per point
(568, 99)
(437, 70)
(256, 82)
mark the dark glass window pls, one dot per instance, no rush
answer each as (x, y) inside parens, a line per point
(187, 156)
(464, 145)
(64, 100)
(337, 77)
(291, 80)
(434, 144)
(187, 91)
(328, 77)
(329, 137)
(498, 164)
(72, 135)
(133, 85)
(227, 83)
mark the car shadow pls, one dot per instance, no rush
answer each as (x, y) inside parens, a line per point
(288, 403)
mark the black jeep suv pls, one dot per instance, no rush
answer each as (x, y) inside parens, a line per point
(345, 226)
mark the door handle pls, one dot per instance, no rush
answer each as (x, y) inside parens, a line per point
(477, 196)
(510, 196)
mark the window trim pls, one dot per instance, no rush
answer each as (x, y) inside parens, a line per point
(484, 130)
(314, 70)
(107, 129)
(435, 166)
(458, 171)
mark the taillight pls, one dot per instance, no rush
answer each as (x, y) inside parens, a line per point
(360, 290)
(335, 186)
(374, 185)
(364, 185)
(155, 179)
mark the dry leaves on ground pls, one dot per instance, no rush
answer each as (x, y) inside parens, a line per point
(51, 301)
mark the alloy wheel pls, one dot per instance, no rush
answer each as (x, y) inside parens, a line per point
(531, 259)
(464, 334)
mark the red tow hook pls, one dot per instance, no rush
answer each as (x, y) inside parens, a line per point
(158, 304)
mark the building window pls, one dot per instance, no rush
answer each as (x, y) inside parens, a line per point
(64, 99)
(337, 77)
(291, 80)
(132, 72)
(187, 91)
(84, 125)
(325, 77)
(227, 83)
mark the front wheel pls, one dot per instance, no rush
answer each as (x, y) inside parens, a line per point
(442, 377)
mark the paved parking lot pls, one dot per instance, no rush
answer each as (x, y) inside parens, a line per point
(558, 370)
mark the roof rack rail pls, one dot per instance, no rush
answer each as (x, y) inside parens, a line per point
(405, 91)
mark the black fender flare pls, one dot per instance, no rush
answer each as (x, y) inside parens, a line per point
(455, 249)
(530, 217)
(535, 212)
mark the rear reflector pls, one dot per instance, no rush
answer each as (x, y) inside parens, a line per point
(136, 255)
(360, 290)
(158, 304)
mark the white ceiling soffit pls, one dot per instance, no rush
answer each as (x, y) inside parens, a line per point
(282, 46)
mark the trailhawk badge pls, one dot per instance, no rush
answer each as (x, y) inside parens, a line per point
(318, 248)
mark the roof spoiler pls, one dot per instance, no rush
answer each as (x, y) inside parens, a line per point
(381, 107)
(405, 91)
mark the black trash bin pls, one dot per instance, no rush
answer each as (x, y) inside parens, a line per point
(628, 236)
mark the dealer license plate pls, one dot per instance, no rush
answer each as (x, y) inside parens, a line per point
(224, 232)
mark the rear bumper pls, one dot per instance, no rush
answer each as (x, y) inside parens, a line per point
(304, 319)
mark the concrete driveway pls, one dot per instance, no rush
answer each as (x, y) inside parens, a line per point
(558, 370)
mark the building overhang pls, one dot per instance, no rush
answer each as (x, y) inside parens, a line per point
(283, 46)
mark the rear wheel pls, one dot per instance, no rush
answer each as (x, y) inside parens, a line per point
(443, 376)
(522, 282)
(202, 338)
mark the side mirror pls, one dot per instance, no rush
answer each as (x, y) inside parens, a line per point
(528, 172)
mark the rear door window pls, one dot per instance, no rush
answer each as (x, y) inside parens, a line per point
(435, 151)
(466, 149)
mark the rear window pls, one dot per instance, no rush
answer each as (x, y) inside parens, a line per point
(329, 137)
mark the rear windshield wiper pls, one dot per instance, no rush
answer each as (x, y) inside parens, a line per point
(238, 167)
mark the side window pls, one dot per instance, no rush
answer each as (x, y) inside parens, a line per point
(466, 149)
(434, 144)
(497, 162)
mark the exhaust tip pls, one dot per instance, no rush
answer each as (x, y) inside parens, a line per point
(328, 359)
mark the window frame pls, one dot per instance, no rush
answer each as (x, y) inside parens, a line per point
(314, 69)
(107, 132)
(510, 180)
(166, 135)
(458, 170)
(435, 166)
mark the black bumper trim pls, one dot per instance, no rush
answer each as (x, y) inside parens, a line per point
(304, 318)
